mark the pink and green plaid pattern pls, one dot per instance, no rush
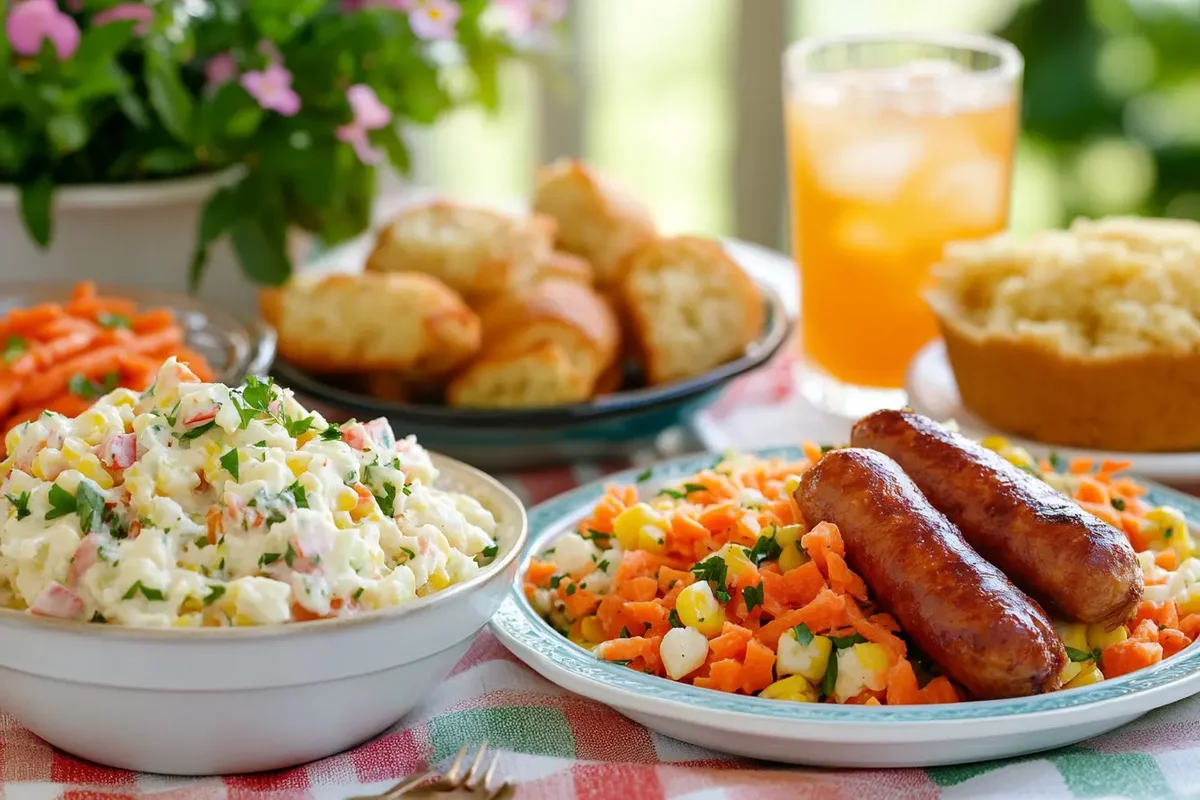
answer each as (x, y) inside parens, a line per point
(562, 747)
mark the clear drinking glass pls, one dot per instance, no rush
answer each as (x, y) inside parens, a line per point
(896, 146)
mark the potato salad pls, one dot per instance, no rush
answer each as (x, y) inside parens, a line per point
(197, 504)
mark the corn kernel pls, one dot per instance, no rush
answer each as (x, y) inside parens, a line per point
(1087, 676)
(788, 534)
(73, 449)
(242, 620)
(996, 443)
(1073, 635)
(793, 687)
(1018, 457)
(652, 540)
(186, 621)
(790, 484)
(792, 557)
(1189, 601)
(697, 608)
(808, 660)
(439, 580)
(627, 526)
(1098, 638)
(192, 604)
(737, 562)
(872, 656)
(591, 629)
(1170, 524)
(346, 499)
(305, 438)
(90, 467)
(12, 439)
(297, 465)
(1069, 672)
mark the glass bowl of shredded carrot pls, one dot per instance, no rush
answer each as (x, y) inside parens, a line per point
(713, 581)
(62, 346)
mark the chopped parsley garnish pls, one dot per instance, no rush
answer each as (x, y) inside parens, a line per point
(1118, 503)
(230, 463)
(299, 495)
(825, 448)
(111, 321)
(681, 494)
(201, 542)
(147, 592)
(674, 619)
(90, 505)
(765, 549)
(830, 679)
(624, 633)
(268, 558)
(62, 503)
(358, 593)
(713, 570)
(645, 475)
(295, 427)
(599, 537)
(491, 550)
(214, 594)
(570, 589)
(621, 662)
(406, 489)
(753, 595)
(20, 503)
(331, 434)
(555, 580)
(1168, 533)
(1057, 462)
(802, 633)
(98, 617)
(387, 503)
(172, 416)
(196, 433)
(261, 443)
(411, 554)
(257, 394)
(603, 567)
(1075, 654)
(842, 642)
(14, 346)
(675, 493)
(81, 386)
(289, 557)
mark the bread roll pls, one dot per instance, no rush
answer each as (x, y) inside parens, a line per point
(472, 250)
(565, 266)
(596, 219)
(341, 323)
(690, 307)
(545, 345)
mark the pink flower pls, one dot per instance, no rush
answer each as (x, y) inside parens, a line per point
(142, 14)
(531, 16)
(219, 70)
(267, 48)
(369, 115)
(433, 19)
(272, 88)
(32, 22)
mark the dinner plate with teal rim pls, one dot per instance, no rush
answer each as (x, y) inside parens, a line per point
(819, 733)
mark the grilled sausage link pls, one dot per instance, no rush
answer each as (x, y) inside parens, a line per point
(959, 609)
(1076, 565)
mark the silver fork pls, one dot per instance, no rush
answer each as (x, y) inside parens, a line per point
(475, 782)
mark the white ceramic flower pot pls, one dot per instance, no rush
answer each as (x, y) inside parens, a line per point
(138, 234)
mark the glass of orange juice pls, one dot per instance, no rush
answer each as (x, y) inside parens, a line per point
(896, 146)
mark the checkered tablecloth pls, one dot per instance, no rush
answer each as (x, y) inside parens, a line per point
(561, 747)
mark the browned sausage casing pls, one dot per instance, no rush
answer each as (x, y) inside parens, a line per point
(959, 609)
(1075, 564)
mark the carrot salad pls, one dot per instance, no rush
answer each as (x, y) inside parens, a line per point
(716, 581)
(62, 356)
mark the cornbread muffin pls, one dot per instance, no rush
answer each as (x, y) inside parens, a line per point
(472, 250)
(340, 323)
(545, 345)
(596, 219)
(1088, 337)
(690, 307)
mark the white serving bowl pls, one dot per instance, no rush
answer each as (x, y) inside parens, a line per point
(211, 701)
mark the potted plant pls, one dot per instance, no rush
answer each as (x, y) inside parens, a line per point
(141, 142)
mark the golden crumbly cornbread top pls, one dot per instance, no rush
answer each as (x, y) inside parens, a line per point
(1117, 286)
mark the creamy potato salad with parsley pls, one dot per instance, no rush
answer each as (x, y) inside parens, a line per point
(197, 504)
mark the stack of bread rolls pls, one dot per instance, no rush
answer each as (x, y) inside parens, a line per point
(488, 310)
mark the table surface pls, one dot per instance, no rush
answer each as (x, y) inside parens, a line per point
(558, 746)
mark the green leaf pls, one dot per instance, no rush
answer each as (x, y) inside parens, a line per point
(396, 149)
(220, 214)
(196, 433)
(803, 634)
(244, 122)
(168, 160)
(842, 642)
(20, 503)
(168, 96)
(68, 132)
(829, 681)
(98, 46)
(278, 20)
(753, 595)
(1079, 655)
(14, 346)
(13, 147)
(89, 504)
(134, 109)
(61, 501)
(36, 197)
(261, 252)
(490, 551)
(214, 594)
(230, 463)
